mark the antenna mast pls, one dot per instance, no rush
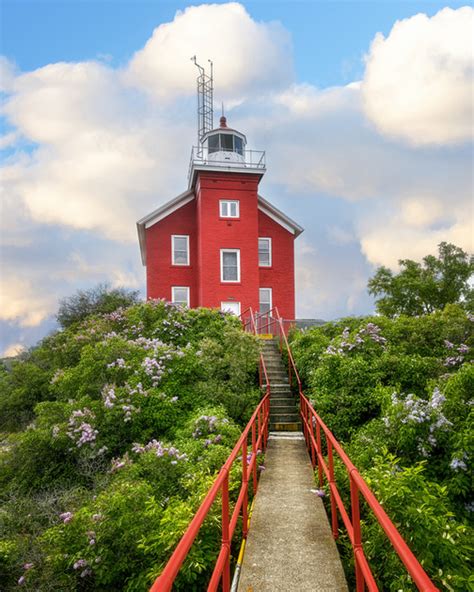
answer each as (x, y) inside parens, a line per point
(205, 93)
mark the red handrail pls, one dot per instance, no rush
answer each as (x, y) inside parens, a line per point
(257, 428)
(312, 426)
(262, 370)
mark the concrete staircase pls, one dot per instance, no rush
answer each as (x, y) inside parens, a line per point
(284, 414)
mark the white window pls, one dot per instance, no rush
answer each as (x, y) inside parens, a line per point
(230, 265)
(265, 298)
(229, 208)
(180, 249)
(180, 295)
(265, 252)
(232, 307)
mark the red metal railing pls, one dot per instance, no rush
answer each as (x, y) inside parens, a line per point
(313, 428)
(257, 431)
(250, 325)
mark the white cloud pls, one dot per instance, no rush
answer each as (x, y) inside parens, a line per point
(13, 350)
(329, 284)
(21, 303)
(248, 56)
(385, 244)
(418, 83)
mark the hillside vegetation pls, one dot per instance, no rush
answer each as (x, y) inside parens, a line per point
(399, 394)
(112, 432)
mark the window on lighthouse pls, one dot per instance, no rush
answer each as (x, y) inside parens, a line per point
(230, 265)
(229, 208)
(265, 300)
(180, 295)
(180, 249)
(265, 252)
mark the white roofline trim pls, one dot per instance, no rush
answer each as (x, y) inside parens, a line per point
(278, 216)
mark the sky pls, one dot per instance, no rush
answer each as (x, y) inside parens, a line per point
(364, 110)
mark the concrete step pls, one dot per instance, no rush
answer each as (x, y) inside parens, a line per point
(294, 426)
(285, 418)
(286, 407)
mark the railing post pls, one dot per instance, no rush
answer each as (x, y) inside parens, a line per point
(254, 451)
(267, 416)
(245, 484)
(314, 456)
(335, 531)
(225, 533)
(320, 451)
(360, 586)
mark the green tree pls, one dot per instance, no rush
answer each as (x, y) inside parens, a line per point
(422, 288)
(101, 299)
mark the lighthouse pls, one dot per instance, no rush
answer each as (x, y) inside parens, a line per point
(220, 244)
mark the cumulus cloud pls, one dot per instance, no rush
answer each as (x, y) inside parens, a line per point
(418, 83)
(248, 56)
(17, 304)
(328, 283)
(98, 156)
(13, 350)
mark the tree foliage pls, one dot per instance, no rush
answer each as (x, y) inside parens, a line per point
(98, 300)
(422, 288)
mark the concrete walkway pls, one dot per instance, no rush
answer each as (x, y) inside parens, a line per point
(290, 546)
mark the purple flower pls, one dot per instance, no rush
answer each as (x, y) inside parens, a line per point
(448, 344)
(79, 564)
(66, 517)
(27, 566)
(21, 580)
(457, 464)
(319, 492)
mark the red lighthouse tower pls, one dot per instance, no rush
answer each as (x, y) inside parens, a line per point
(220, 244)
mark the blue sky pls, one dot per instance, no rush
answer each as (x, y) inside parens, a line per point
(329, 37)
(366, 130)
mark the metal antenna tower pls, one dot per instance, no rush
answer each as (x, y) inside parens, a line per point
(205, 93)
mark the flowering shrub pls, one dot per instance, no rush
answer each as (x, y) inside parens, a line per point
(136, 409)
(399, 394)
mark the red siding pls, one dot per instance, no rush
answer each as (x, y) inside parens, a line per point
(280, 277)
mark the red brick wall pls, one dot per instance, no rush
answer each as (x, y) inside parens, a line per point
(281, 275)
(216, 233)
(161, 274)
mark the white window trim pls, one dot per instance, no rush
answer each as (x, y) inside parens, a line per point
(271, 297)
(237, 281)
(223, 201)
(173, 299)
(173, 236)
(270, 259)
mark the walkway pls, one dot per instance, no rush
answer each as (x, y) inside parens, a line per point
(290, 547)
